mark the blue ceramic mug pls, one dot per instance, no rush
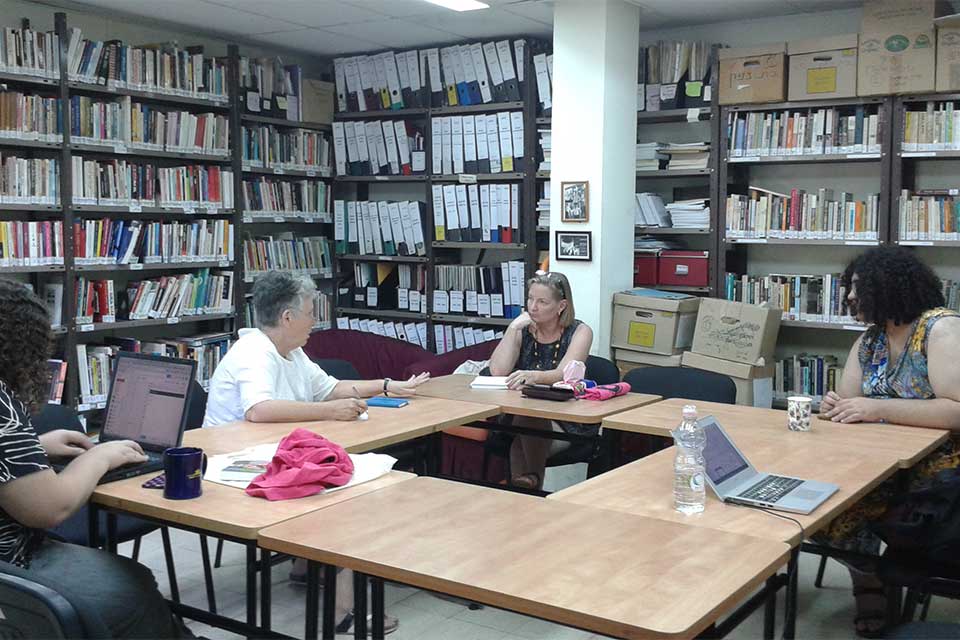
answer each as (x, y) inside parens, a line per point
(183, 468)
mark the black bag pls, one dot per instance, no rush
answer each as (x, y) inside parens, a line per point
(924, 522)
(546, 392)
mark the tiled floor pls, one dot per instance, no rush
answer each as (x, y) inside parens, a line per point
(824, 613)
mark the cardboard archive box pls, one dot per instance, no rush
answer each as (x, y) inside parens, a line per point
(628, 360)
(754, 74)
(653, 321)
(754, 384)
(822, 68)
(736, 331)
(897, 52)
(948, 53)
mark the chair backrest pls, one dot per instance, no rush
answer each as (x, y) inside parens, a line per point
(55, 416)
(601, 370)
(677, 382)
(197, 408)
(34, 608)
(339, 369)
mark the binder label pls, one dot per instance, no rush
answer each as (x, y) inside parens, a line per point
(467, 178)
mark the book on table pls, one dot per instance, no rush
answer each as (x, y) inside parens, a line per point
(244, 470)
(489, 382)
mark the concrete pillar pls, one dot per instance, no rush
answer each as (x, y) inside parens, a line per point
(594, 132)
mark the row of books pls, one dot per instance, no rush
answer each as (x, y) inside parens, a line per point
(661, 67)
(274, 89)
(269, 196)
(385, 286)
(497, 291)
(672, 156)
(927, 215)
(834, 130)
(806, 375)
(407, 79)
(321, 310)
(483, 143)
(477, 213)
(546, 149)
(163, 68)
(31, 243)
(413, 332)
(30, 117)
(123, 183)
(801, 215)
(57, 370)
(30, 52)
(134, 242)
(449, 337)
(29, 180)
(543, 204)
(269, 147)
(378, 147)
(311, 255)
(124, 123)
(379, 228)
(935, 127)
(807, 298)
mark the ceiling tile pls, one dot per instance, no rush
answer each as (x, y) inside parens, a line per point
(318, 42)
(539, 10)
(198, 15)
(394, 33)
(308, 13)
(409, 8)
(495, 22)
(704, 11)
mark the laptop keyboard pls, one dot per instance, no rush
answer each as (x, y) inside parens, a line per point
(771, 489)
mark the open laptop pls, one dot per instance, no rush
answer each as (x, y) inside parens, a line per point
(735, 480)
(147, 403)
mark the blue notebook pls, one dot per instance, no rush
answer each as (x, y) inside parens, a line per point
(392, 403)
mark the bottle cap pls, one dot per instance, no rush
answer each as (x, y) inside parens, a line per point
(689, 411)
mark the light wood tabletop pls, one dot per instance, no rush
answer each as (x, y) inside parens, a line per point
(385, 427)
(457, 387)
(226, 510)
(609, 572)
(645, 487)
(908, 445)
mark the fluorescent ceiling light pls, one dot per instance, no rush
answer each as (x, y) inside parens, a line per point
(460, 5)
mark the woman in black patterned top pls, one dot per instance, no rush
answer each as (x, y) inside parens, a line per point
(534, 350)
(34, 498)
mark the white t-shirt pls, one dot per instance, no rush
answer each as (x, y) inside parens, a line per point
(253, 371)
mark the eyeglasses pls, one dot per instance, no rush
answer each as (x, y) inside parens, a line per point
(550, 278)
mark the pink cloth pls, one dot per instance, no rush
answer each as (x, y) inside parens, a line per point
(304, 464)
(604, 391)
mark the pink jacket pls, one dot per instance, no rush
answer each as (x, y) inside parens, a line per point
(304, 464)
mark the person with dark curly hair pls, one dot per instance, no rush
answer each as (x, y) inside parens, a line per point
(901, 370)
(34, 498)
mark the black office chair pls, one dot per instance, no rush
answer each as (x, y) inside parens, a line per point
(339, 369)
(681, 382)
(37, 608)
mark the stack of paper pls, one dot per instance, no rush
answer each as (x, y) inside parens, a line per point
(691, 155)
(543, 205)
(651, 244)
(489, 382)
(546, 147)
(649, 156)
(690, 214)
(649, 211)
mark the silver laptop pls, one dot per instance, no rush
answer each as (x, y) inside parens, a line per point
(734, 479)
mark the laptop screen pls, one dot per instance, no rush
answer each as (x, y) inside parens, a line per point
(720, 457)
(148, 399)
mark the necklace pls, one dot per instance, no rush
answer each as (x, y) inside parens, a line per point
(554, 357)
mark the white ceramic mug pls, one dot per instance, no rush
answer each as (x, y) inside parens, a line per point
(798, 413)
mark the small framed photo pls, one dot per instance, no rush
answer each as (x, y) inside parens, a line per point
(576, 203)
(574, 245)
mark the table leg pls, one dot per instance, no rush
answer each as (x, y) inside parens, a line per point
(770, 609)
(171, 567)
(266, 579)
(93, 526)
(359, 606)
(252, 583)
(111, 532)
(377, 608)
(790, 605)
(329, 601)
(313, 601)
(207, 575)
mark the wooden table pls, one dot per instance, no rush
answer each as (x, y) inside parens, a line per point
(908, 445)
(385, 427)
(457, 387)
(604, 571)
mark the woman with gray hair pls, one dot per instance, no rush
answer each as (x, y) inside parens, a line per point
(266, 376)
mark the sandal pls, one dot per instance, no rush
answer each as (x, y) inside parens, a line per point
(345, 626)
(870, 615)
(530, 481)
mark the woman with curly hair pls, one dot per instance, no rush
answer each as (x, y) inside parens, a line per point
(34, 498)
(901, 370)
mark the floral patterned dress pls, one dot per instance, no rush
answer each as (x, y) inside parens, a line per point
(907, 378)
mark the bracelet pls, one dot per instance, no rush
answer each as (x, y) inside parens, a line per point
(386, 381)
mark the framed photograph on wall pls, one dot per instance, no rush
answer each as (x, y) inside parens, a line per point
(574, 245)
(576, 201)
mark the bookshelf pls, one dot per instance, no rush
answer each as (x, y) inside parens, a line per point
(420, 187)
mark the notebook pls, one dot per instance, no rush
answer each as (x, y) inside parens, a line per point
(489, 382)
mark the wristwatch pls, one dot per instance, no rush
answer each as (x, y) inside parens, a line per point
(386, 381)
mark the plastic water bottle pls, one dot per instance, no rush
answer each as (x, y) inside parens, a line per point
(689, 494)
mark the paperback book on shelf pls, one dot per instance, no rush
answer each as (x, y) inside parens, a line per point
(311, 255)
(271, 147)
(823, 215)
